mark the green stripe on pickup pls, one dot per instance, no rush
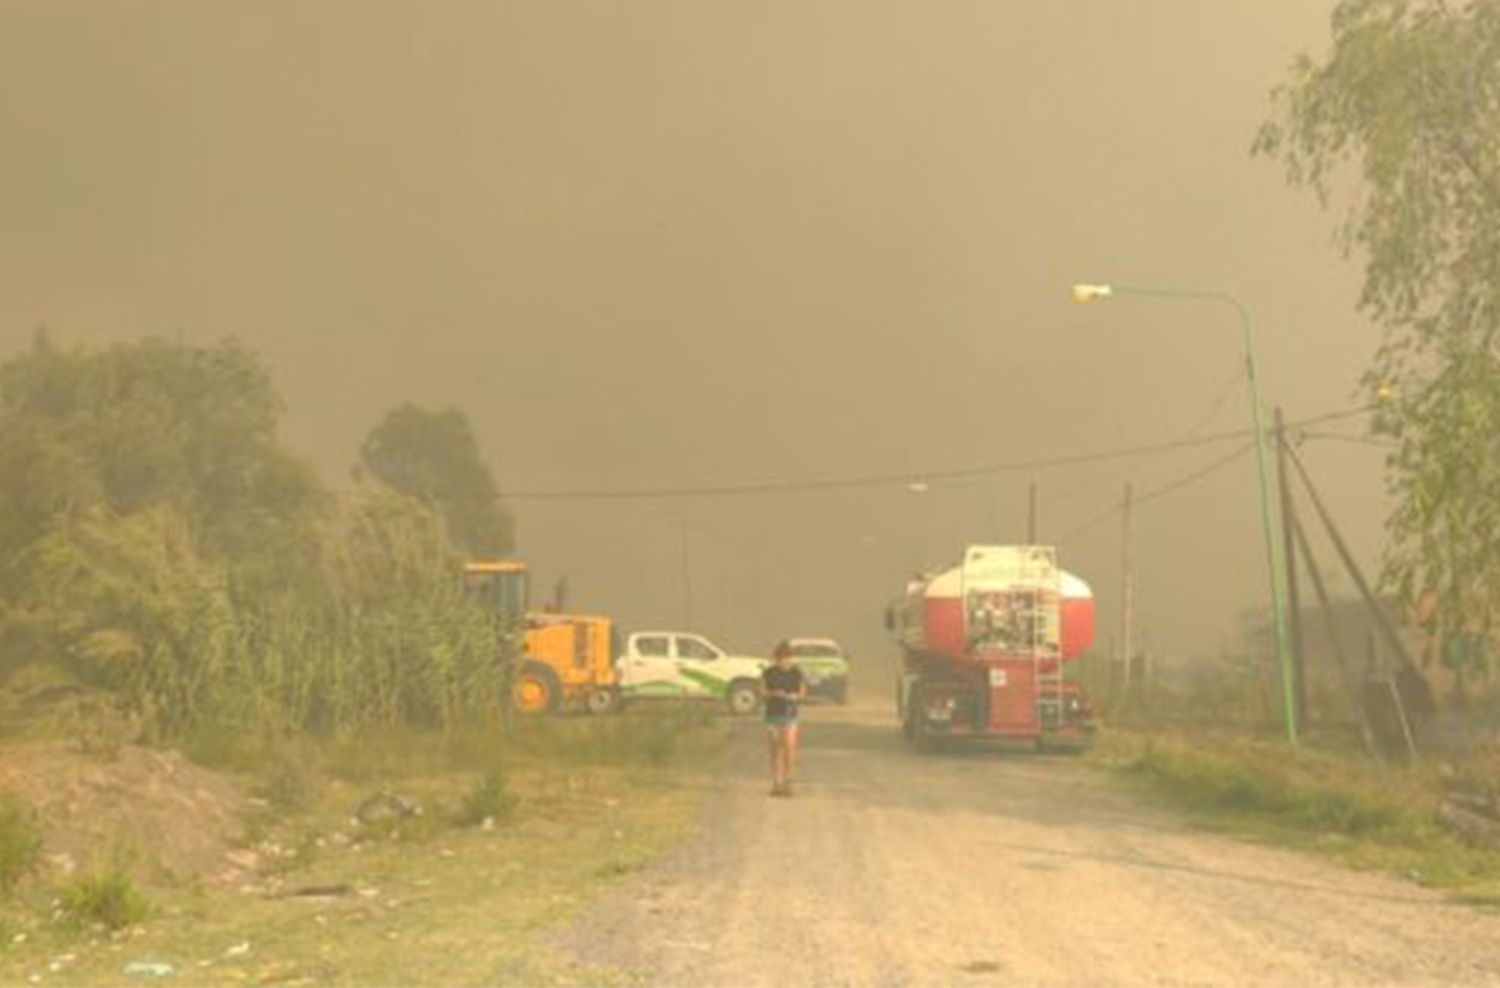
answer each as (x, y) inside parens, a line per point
(712, 686)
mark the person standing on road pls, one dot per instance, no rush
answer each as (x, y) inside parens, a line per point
(782, 688)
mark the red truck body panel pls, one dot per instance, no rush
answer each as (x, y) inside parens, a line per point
(985, 643)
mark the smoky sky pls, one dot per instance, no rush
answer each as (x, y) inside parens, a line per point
(683, 244)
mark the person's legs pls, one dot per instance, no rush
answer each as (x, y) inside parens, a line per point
(774, 735)
(789, 754)
(789, 760)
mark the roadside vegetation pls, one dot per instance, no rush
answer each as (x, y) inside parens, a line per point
(165, 555)
(250, 725)
(1391, 128)
(1331, 800)
(410, 856)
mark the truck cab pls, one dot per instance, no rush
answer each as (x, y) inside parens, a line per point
(690, 666)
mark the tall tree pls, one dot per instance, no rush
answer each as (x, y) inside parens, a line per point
(1399, 125)
(142, 425)
(433, 456)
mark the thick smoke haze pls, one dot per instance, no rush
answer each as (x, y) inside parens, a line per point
(685, 244)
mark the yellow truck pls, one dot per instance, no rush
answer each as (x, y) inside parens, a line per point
(559, 661)
(568, 664)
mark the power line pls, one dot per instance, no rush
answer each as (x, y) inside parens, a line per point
(1340, 437)
(1172, 486)
(885, 480)
(1201, 423)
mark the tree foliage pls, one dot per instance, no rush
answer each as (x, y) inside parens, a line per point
(158, 541)
(1400, 125)
(433, 456)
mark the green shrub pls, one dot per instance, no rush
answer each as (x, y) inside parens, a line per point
(106, 896)
(490, 799)
(20, 841)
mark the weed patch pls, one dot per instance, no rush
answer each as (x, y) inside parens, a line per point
(20, 841)
(106, 896)
(490, 799)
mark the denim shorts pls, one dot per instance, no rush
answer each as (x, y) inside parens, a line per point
(781, 720)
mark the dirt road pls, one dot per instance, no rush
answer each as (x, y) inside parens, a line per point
(890, 868)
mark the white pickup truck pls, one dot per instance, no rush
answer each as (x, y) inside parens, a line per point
(680, 664)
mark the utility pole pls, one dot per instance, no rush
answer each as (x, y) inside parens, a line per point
(1031, 515)
(724, 604)
(1289, 560)
(687, 577)
(1127, 587)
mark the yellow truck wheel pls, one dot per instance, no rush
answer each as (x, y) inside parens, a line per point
(535, 690)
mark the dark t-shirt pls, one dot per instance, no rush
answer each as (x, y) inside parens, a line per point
(788, 679)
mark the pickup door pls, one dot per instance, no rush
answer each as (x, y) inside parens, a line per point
(672, 665)
(648, 668)
(696, 660)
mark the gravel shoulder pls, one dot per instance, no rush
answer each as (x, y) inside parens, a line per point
(992, 868)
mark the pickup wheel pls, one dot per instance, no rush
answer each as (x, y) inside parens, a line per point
(743, 698)
(535, 689)
(602, 700)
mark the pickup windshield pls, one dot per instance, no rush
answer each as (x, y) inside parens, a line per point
(816, 651)
(695, 648)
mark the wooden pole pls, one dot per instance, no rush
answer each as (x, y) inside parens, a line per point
(1031, 515)
(1382, 619)
(1127, 588)
(1346, 675)
(687, 578)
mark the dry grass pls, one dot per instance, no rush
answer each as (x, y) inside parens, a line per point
(442, 898)
(1362, 812)
(20, 841)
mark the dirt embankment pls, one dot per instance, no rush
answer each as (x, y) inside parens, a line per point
(169, 810)
(891, 868)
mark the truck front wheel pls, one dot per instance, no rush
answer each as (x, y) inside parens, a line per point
(743, 698)
(535, 689)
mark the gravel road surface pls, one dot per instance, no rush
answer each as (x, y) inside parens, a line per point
(992, 868)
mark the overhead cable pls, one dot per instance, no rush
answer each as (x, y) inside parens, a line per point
(1172, 486)
(911, 477)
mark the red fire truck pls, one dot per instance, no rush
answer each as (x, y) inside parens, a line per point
(985, 648)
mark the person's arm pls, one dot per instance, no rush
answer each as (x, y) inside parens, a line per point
(801, 686)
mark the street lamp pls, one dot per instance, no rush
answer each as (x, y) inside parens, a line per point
(1086, 293)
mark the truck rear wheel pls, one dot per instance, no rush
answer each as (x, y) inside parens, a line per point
(535, 689)
(922, 737)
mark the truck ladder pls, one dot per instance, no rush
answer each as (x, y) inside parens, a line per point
(1040, 573)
